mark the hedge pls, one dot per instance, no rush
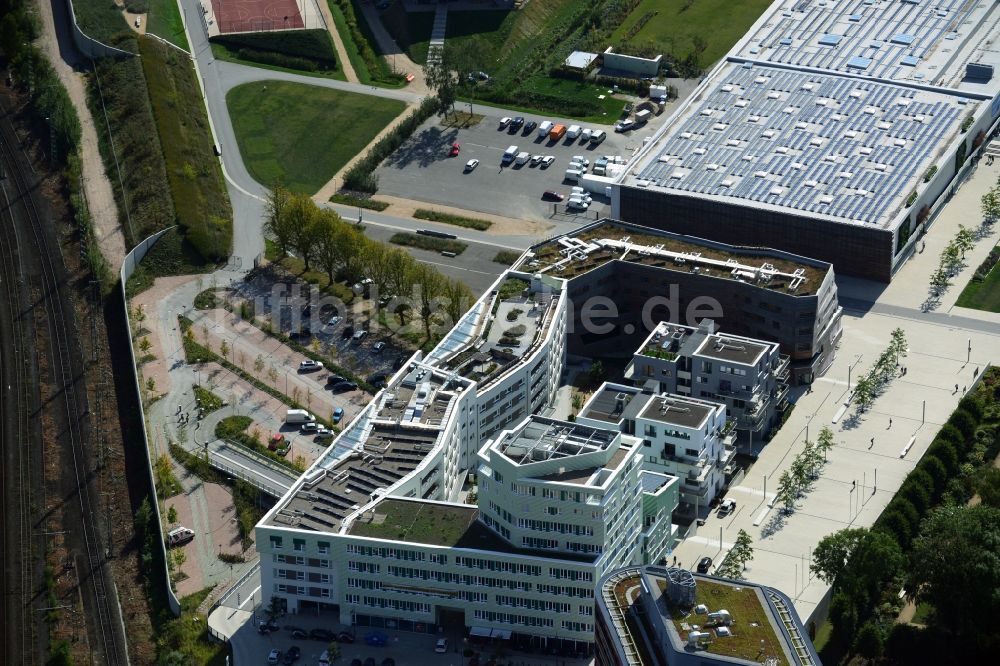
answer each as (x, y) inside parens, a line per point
(312, 45)
(278, 59)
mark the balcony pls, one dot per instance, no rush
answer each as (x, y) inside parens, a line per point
(781, 395)
(657, 351)
(782, 369)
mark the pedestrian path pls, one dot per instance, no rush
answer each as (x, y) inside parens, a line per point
(436, 50)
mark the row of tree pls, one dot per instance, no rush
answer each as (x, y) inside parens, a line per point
(320, 236)
(871, 384)
(735, 562)
(927, 542)
(805, 468)
(952, 258)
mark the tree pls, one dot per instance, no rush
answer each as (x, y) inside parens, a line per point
(224, 349)
(400, 267)
(937, 472)
(277, 224)
(954, 566)
(457, 298)
(869, 642)
(988, 487)
(991, 205)
(965, 240)
(830, 557)
(429, 284)
(305, 230)
(743, 549)
(441, 80)
(258, 364)
(825, 441)
(864, 393)
(898, 344)
(940, 280)
(150, 384)
(596, 371)
(787, 492)
(171, 515)
(328, 254)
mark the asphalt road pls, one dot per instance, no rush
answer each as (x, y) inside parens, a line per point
(422, 170)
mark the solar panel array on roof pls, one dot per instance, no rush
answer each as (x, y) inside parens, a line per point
(833, 35)
(812, 142)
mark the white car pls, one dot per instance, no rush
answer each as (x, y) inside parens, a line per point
(727, 507)
(310, 365)
(581, 160)
(504, 122)
(547, 161)
(333, 321)
(442, 646)
(471, 165)
(585, 134)
(536, 160)
(274, 656)
(311, 427)
(578, 203)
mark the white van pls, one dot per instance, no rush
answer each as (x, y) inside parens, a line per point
(573, 175)
(577, 203)
(324, 659)
(179, 535)
(577, 166)
(509, 154)
(298, 416)
(545, 128)
(573, 131)
(522, 158)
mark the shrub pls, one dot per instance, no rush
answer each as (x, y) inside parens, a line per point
(911, 198)
(428, 243)
(898, 526)
(457, 220)
(314, 46)
(930, 173)
(277, 59)
(965, 423)
(945, 451)
(908, 508)
(360, 202)
(971, 403)
(936, 470)
(951, 434)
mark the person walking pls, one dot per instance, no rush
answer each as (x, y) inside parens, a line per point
(871, 444)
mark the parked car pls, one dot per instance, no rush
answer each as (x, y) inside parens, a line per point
(322, 635)
(455, 149)
(624, 125)
(536, 159)
(359, 335)
(504, 122)
(517, 123)
(378, 347)
(310, 366)
(345, 637)
(471, 165)
(585, 135)
(727, 507)
(333, 321)
(338, 414)
(343, 387)
(299, 633)
(580, 159)
(548, 160)
(529, 127)
(323, 431)
(310, 427)
(274, 656)
(441, 646)
(704, 564)
(292, 655)
(378, 381)
(549, 195)
(483, 76)
(335, 379)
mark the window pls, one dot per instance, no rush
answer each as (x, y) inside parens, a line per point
(324, 547)
(693, 453)
(650, 430)
(298, 545)
(276, 543)
(706, 366)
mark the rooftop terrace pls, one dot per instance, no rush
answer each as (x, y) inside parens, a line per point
(822, 145)
(567, 257)
(440, 524)
(399, 432)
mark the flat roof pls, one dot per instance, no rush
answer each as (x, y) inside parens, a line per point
(819, 144)
(441, 524)
(612, 403)
(730, 348)
(540, 439)
(941, 36)
(609, 240)
(674, 410)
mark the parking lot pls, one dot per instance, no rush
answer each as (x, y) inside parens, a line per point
(422, 169)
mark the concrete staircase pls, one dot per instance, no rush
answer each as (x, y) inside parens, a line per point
(436, 49)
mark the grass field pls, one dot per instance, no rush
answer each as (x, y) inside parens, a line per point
(99, 18)
(983, 295)
(303, 135)
(164, 20)
(201, 202)
(721, 23)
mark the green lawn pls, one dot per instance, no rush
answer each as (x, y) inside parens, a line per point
(99, 18)
(983, 295)
(164, 20)
(721, 23)
(302, 135)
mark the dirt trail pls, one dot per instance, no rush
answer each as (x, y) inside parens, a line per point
(96, 186)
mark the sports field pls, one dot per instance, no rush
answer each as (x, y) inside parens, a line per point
(302, 135)
(720, 23)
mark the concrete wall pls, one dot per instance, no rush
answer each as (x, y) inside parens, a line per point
(132, 260)
(619, 62)
(89, 46)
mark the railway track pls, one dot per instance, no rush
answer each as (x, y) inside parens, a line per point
(28, 238)
(16, 490)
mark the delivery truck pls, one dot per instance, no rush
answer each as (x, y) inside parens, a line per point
(298, 416)
(557, 132)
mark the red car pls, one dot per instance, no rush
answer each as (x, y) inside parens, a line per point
(549, 195)
(455, 148)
